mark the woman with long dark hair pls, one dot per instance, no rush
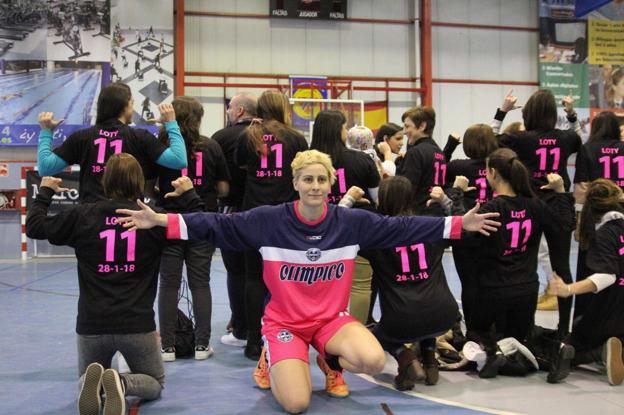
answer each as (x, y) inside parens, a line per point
(507, 261)
(265, 151)
(91, 147)
(601, 157)
(597, 336)
(545, 150)
(353, 168)
(208, 172)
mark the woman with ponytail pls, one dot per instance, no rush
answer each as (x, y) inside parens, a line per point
(597, 335)
(507, 283)
(266, 151)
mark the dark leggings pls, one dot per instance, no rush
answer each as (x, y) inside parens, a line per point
(395, 347)
(497, 317)
(198, 257)
(467, 272)
(582, 272)
(235, 266)
(559, 249)
(255, 294)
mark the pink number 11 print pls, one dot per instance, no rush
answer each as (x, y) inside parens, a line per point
(101, 143)
(198, 165)
(110, 236)
(422, 260)
(515, 228)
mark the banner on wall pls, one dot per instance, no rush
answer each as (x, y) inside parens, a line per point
(306, 87)
(60, 201)
(582, 49)
(56, 56)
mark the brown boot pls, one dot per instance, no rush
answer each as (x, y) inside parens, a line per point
(410, 370)
(430, 364)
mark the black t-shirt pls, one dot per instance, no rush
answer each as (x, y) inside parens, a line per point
(414, 297)
(475, 171)
(424, 165)
(600, 159)
(507, 259)
(206, 167)
(544, 152)
(269, 178)
(228, 139)
(117, 269)
(605, 314)
(92, 147)
(354, 169)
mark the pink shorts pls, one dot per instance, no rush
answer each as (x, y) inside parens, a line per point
(289, 342)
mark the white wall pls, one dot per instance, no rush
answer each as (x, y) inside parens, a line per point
(143, 13)
(218, 44)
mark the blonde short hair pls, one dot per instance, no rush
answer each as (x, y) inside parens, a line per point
(360, 138)
(306, 158)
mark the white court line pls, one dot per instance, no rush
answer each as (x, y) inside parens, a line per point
(437, 400)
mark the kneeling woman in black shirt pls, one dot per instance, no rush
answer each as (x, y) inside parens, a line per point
(602, 235)
(507, 260)
(416, 303)
(117, 277)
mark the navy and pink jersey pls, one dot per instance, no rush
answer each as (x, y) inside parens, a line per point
(601, 159)
(308, 266)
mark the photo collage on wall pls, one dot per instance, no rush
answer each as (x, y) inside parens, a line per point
(57, 55)
(583, 55)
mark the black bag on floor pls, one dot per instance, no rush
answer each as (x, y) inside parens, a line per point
(184, 336)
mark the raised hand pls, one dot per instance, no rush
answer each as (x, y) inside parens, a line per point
(480, 222)
(509, 102)
(47, 121)
(145, 218)
(180, 185)
(384, 148)
(167, 112)
(555, 182)
(568, 103)
(455, 136)
(53, 183)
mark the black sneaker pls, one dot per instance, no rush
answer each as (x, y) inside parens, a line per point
(492, 364)
(560, 366)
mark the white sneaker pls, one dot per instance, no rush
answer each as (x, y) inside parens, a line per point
(203, 352)
(168, 354)
(511, 345)
(230, 340)
(473, 352)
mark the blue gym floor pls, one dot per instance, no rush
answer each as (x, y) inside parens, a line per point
(38, 366)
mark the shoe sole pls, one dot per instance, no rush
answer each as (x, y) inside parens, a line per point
(333, 395)
(115, 403)
(89, 401)
(203, 355)
(168, 358)
(615, 366)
